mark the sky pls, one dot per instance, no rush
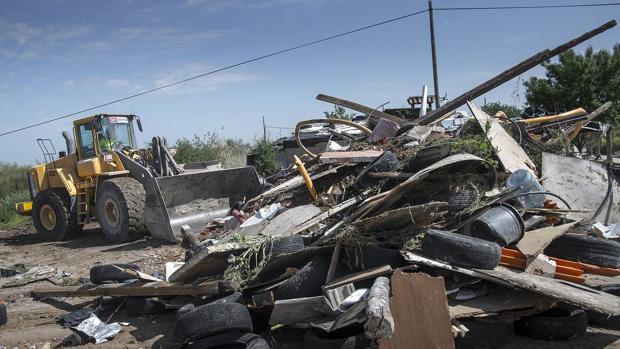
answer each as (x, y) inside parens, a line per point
(61, 56)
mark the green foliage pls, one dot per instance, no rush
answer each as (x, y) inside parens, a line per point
(510, 110)
(339, 113)
(13, 189)
(579, 80)
(265, 158)
(230, 152)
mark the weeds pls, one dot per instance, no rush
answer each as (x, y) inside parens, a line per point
(13, 189)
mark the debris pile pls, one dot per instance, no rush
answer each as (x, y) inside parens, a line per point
(398, 234)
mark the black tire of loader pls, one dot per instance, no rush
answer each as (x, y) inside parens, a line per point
(66, 222)
(128, 195)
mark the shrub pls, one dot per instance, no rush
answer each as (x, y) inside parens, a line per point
(264, 154)
(230, 152)
(13, 189)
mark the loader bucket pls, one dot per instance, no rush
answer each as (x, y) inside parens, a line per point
(195, 199)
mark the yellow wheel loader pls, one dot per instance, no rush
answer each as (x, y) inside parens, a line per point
(104, 177)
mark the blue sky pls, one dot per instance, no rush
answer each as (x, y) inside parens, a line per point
(60, 56)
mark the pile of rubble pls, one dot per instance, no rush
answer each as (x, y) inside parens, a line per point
(398, 234)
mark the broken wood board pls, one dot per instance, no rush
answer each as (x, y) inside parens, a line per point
(414, 216)
(324, 215)
(361, 108)
(209, 261)
(499, 301)
(340, 157)
(582, 183)
(535, 241)
(135, 289)
(579, 295)
(281, 224)
(510, 154)
(392, 196)
(359, 276)
(420, 311)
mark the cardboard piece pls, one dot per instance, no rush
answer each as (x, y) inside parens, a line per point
(420, 311)
(535, 241)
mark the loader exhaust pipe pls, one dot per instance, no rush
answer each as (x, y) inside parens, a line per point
(69, 142)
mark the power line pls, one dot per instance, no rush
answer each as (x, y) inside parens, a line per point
(525, 7)
(218, 70)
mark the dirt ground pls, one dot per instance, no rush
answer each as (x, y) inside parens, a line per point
(33, 323)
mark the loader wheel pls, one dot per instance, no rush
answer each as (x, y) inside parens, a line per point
(120, 209)
(51, 216)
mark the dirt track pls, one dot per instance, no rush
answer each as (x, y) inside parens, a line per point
(33, 322)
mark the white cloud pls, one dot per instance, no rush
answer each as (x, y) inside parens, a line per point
(117, 82)
(208, 83)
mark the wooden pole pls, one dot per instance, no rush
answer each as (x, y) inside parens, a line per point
(511, 73)
(264, 130)
(435, 75)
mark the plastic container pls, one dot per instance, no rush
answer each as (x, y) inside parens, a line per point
(501, 224)
(523, 181)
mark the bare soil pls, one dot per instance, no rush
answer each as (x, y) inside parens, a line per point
(33, 322)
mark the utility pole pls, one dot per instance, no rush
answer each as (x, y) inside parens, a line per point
(264, 130)
(435, 78)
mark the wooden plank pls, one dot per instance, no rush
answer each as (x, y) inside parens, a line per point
(511, 73)
(360, 108)
(209, 261)
(324, 215)
(535, 241)
(333, 157)
(299, 310)
(510, 154)
(420, 311)
(581, 296)
(283, 223)
(136, 289)
(583, 183)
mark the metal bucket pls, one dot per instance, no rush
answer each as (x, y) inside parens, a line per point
(195, 199)
(501, 224)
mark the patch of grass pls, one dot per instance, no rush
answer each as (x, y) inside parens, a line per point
(13, 189)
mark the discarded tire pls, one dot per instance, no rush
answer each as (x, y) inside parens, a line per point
(306, 282)
(136, 306)
(231, 340)
(604, 320)
(460, 250)
(287, 244)
(500, 224)
(555, 323)
(3, 315)
(108, 273)
(587, 249)
(211, 319)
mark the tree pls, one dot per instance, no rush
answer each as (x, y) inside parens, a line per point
(511, 111)
(579, 80)
(339, 113)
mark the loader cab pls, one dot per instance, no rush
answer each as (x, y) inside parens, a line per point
(97, 137)
(103, 133)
